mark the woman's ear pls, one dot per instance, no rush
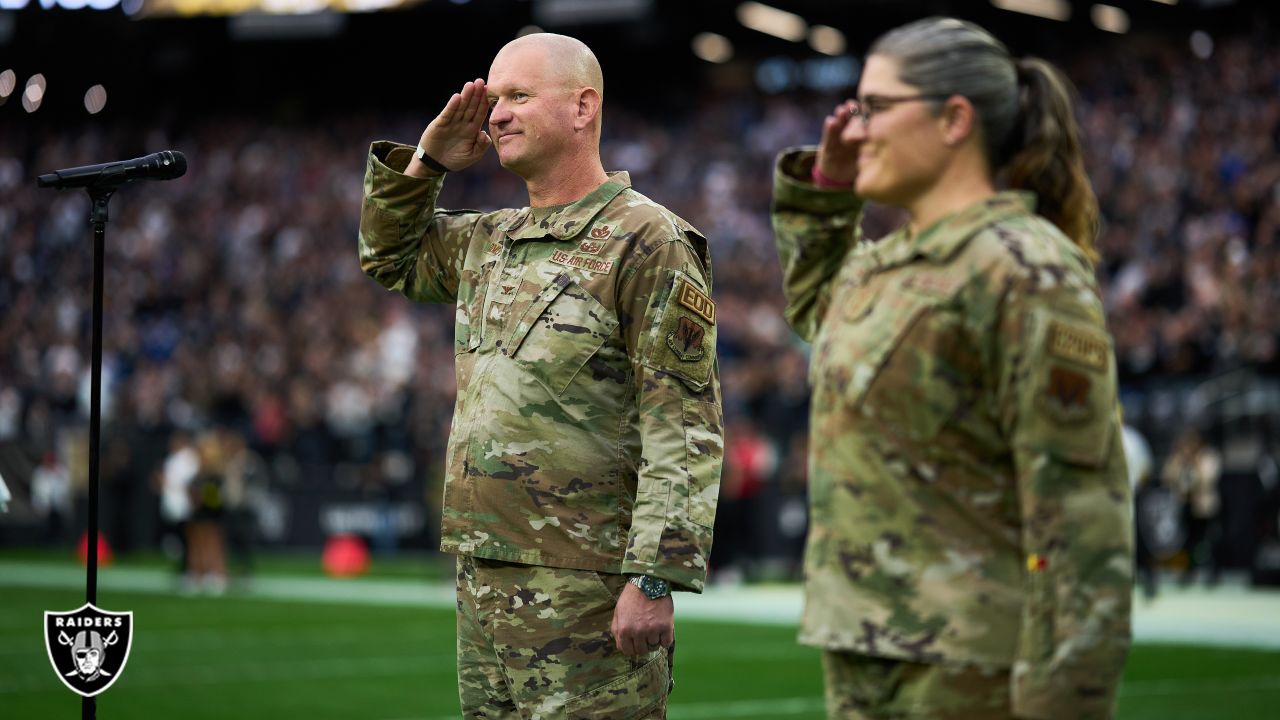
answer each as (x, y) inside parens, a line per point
(958, 120)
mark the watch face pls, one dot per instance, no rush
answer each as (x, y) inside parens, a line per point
(654, 587)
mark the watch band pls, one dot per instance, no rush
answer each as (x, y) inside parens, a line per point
(653, 588)
(429, 161)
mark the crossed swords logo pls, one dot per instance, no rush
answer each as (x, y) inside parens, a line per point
(88, 650)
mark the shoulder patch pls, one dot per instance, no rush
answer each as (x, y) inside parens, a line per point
(686, 340)
(697, 301)
(1067, 397)
(1077, 345)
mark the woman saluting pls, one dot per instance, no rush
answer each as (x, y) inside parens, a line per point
(969, 554)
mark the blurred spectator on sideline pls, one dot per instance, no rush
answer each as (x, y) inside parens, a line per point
(1192, 471)
(750, 460)
(51, 497)
(244, 476)
(206, 537)
(175, 478)
(793, 503)
(1137, 455)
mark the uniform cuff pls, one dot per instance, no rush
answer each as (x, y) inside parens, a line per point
(794, 189)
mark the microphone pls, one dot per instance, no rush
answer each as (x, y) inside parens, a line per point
(164, 165)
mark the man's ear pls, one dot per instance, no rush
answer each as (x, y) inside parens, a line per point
(958, 120)
(588, 108)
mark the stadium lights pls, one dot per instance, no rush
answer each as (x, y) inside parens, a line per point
(827, 40)
(365, 6)
(95, 98)
(772, 21)
(8, 81)
(63, 4)
(1201, 44)
(712, 47)
(1110, 18)
(33, 93)
(1048, 9)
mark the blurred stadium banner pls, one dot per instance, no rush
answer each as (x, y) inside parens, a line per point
(186, 8)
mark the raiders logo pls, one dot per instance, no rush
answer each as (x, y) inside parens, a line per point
(686, 340)
(88, 647)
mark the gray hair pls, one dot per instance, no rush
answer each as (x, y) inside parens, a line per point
(946, 56)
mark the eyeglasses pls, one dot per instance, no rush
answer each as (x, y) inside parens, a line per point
(868, 106)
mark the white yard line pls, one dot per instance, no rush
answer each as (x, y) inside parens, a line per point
(1227, 616)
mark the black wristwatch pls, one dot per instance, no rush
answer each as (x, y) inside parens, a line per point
(652, 587)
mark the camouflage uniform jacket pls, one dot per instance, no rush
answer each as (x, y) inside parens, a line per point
(967, 481)
(587, 429)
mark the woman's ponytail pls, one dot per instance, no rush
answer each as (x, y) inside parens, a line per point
(1044, 154)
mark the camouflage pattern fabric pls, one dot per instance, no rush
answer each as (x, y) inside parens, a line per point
(864, 687)
(534, 643)
(969, 500)
(587, 430)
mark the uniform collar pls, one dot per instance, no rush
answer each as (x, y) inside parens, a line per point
(942, 239)
(570, 220)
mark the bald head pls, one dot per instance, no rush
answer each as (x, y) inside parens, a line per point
(565, 61)
(545, 95)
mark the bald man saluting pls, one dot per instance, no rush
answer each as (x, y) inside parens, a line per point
(584, 457)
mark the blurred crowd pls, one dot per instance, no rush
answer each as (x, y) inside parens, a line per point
(235, 303)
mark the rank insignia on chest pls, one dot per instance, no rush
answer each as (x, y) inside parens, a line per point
(590, 246)
(686, 340)
(601, 232)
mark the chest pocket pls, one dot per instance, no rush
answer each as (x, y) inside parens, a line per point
(889, 355)
(558, 332)
(469, 319)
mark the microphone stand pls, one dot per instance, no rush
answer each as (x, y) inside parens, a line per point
(101, 182)
(99, 195)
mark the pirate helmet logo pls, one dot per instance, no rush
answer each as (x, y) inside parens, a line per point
(88, 647)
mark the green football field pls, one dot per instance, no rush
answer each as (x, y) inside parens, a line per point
(238, 657)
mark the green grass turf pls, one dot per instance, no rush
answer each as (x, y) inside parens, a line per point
(240, 658)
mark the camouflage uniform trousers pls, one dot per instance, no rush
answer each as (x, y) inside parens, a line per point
(535, 643)
(864, 687)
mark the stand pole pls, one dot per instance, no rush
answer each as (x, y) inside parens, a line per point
(98, 218)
